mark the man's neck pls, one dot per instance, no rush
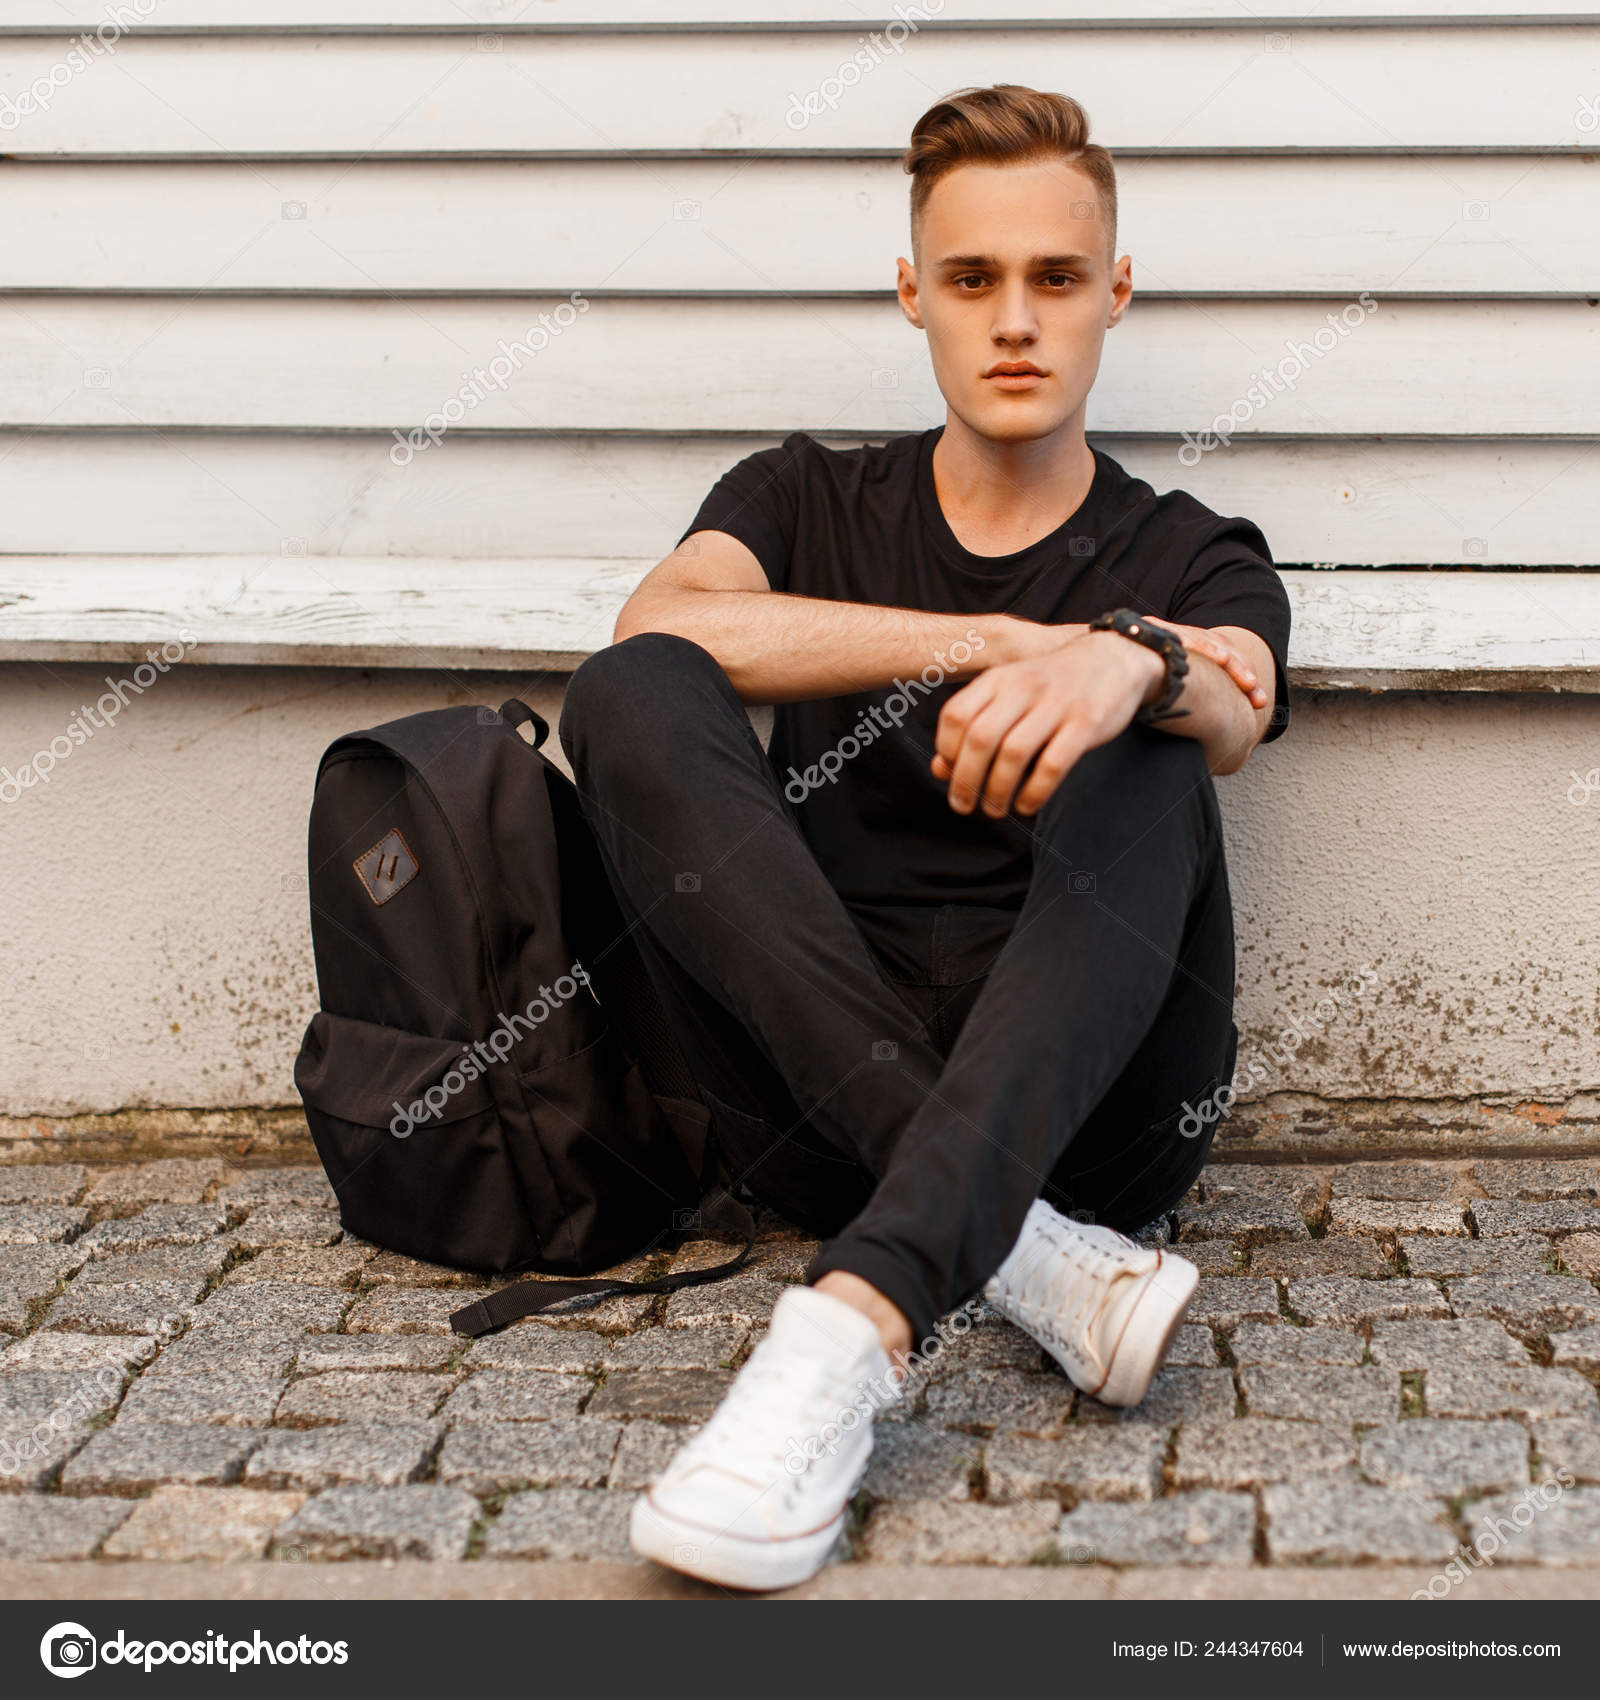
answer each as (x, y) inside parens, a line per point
(998, 497)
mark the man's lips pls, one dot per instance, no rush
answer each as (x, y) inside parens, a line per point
(1014, 375)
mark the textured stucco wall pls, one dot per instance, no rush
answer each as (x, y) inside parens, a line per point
(158, 951)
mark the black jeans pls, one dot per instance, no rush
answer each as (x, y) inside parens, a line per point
(905, 1081)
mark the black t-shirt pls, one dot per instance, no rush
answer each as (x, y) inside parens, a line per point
(865, 525)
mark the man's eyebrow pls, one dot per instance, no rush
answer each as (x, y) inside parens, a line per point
(989, 262)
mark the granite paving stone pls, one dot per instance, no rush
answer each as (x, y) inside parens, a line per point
(1570, 1444)
(40, 1224)
(1339, 1255)
(1246, 1218)
(126, 1307)
(563, 1524)
(45, 1417)
(318, 1266)
(912, 1461)
(302, 1186)
(532, 1345)
(218, 1525)
(674, 1395)
(1000, 1398)
(56, 1351)
(276, 1304)
(286, 1225)
(320, 1352)
(1548, 1524)
(1488, 1390)
(29, 1275)
(1580, 1254)
(1350, 1300)
(1446, 1457)
(1224, 1301)
(133, 1457)
(160, 1263)
(1577, 1348)
(1203, 1527)
(166, 1180)
(1177, 1395)
(1103, 1461)
(376, 1451)
(1276, 1343)
(1400, 1182)
(1326, 1392)
(343, 1395)
(1216, 1257)
(50, 1526)
(516, 1395)
(1555, 1216)
(1511, 1254)
(156, 1225)
(1528, 1304)
(1250, 1451)
(647, 1447)
(564, 1452)
(405, 1310)
(1538, 1179)
(742, 1301)
(991, 1345)
(678, 1348)
(1426, 1345)
(244, 1397)
(423, 1520)
(208, 1350)
(1193, 1347)
(1389, 1217)
(1305, 1187)
(395, 1269)
(943, 1532)
(43, 1183)
(1341, 1519)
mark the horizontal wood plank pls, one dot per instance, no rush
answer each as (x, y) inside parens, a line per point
(1351, 501)
(840, 366)
(1358, 631)
(1492, 225)
(354, 96)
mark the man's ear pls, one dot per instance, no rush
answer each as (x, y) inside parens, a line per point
(906, 290)
(1121, 290)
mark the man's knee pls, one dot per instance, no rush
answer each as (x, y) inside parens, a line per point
(622, 696)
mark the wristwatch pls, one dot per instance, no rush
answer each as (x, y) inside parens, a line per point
(1168, 645)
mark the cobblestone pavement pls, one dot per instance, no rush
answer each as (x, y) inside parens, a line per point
(1385, 1363)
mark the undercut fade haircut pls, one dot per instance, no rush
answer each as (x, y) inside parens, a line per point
(1006, 124)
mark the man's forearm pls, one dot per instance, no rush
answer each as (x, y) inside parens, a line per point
(780, 648)
(1219, 716)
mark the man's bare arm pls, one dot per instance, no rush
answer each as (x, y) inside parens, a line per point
(781, 648)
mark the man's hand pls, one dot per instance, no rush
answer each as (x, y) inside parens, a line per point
(1048, 710)
(1199, 640)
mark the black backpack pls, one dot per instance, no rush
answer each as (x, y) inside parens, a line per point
(491, 1082)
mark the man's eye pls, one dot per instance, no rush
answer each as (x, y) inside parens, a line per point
(1060, 279)
(970, 277)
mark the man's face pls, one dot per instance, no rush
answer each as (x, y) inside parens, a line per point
(1015, 268)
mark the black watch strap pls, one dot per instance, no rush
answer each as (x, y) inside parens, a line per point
(1168, 645)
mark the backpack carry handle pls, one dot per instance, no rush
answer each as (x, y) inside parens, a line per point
(517, 713)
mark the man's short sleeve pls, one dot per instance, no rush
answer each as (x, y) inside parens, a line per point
(756, 501)
(1231, 581)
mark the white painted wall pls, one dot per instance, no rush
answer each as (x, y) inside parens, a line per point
(263, 234)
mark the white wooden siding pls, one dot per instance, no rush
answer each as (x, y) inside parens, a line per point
(264, 234)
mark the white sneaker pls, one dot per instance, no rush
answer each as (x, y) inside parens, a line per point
(1104, 1308)
(757, 1498)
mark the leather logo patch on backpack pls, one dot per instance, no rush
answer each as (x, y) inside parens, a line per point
(387, 867)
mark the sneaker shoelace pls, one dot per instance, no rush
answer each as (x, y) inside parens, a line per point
(1068, 1293)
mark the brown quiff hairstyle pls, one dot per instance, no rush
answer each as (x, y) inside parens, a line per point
(1006, 124)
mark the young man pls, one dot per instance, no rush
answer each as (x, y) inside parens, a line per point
(953, 959)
